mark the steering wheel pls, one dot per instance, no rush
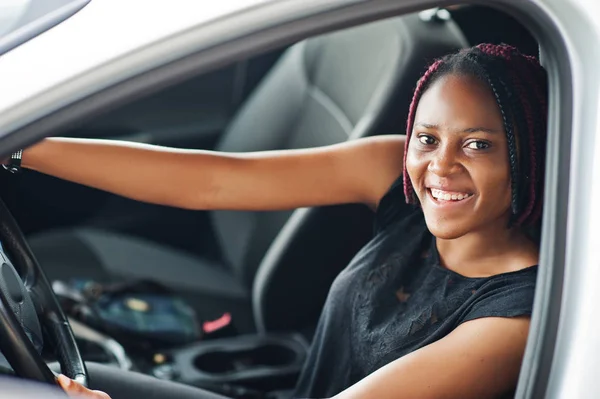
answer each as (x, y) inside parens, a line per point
(28, 306)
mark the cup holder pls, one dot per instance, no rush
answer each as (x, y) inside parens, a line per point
(269, 361)
(268, 355)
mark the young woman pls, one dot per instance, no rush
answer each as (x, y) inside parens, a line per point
(437, 305)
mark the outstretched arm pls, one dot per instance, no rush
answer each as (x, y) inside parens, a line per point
(357, 171)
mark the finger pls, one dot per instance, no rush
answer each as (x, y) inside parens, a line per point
(75, 389)
(64, 382)
(101, 395)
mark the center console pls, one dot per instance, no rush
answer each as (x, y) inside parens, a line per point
(252, 362)
(245, 366)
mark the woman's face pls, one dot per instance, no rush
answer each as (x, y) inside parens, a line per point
(457, 158)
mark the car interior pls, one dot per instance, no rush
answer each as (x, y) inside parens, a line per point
(256, 281)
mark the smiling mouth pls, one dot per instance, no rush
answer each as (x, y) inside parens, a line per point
(448, 196)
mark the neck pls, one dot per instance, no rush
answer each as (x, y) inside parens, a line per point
(493, 249)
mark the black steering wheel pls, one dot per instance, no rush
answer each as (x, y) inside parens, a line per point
(29, 310)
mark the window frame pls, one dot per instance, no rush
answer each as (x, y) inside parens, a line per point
(273, 25)
(27, 31)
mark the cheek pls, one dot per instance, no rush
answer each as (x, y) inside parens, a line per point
(494, 185)
(415, 167)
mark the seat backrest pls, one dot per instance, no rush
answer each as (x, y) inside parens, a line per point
(328, 89)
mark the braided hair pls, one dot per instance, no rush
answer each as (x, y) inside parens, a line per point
(519, 85)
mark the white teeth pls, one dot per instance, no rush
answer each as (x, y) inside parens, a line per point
(441, 195)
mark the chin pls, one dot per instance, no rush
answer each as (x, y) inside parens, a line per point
(445, 229)
(447, 234)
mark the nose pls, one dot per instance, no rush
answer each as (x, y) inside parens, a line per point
(444, 161)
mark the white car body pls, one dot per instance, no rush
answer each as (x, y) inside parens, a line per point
(109, 42)
(98, 39)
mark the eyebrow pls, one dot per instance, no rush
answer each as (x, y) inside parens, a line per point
(468, 130)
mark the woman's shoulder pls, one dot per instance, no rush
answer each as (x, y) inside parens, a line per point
(508, 294)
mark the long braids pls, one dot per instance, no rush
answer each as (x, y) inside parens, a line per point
(520, 87)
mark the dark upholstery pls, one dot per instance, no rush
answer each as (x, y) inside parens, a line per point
(329, 89)
(109, 257)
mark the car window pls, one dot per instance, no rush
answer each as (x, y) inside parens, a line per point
(22, 20)
(11, 12)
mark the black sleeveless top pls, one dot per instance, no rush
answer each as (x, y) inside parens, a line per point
(395, 297)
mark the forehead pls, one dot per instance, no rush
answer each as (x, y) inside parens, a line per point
(459, 102)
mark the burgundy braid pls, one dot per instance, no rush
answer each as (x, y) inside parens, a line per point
(529, 119)
(535, 73)
(522, 81)
(409, 191)
(523, 72)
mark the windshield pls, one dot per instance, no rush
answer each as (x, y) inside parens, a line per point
(21, 20)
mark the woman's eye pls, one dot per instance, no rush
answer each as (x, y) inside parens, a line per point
(478, 145)
(427, 140)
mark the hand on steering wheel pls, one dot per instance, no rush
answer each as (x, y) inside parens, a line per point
(28, 306)
(79, 391)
